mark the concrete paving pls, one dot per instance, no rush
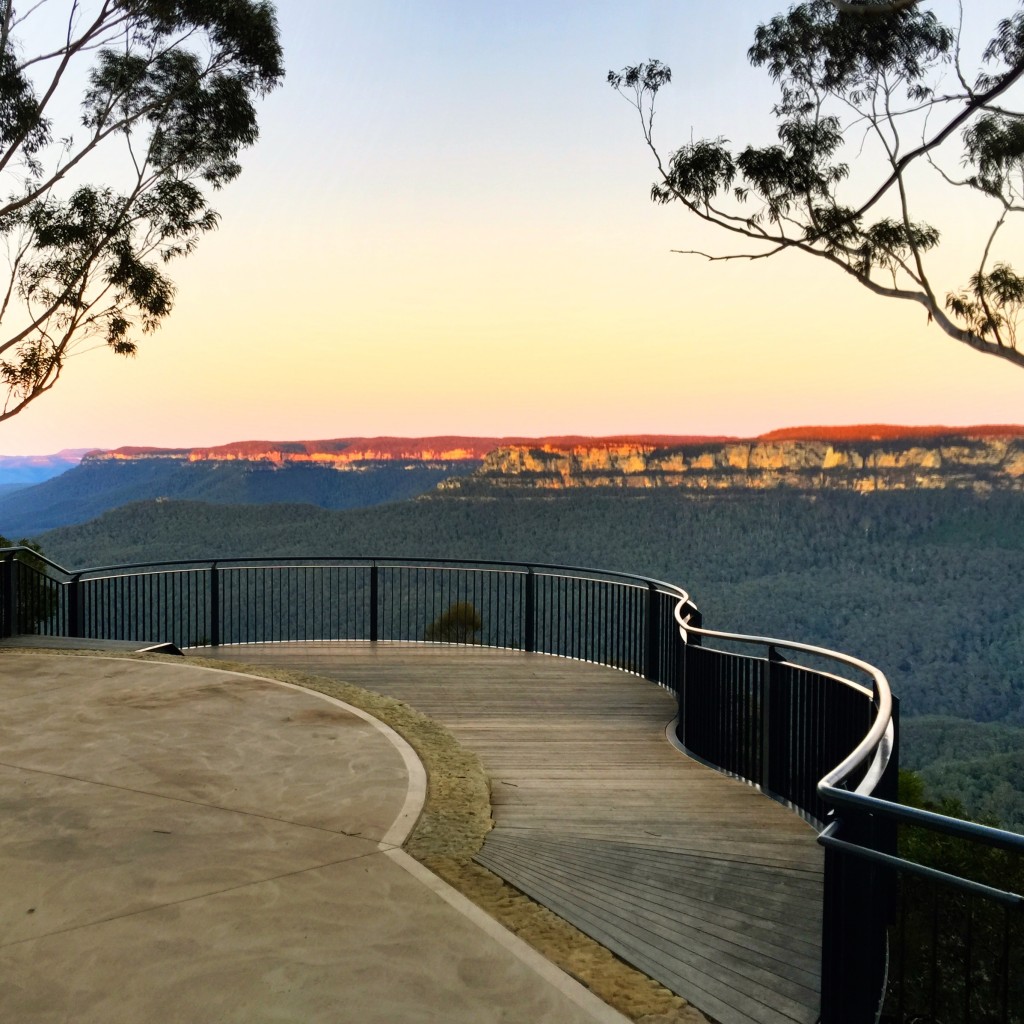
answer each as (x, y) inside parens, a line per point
(184, 844)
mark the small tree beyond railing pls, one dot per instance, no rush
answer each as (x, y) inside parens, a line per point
(903, 939)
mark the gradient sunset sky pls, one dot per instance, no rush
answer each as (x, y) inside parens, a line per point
(445, 229)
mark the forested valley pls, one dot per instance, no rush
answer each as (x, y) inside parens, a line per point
(928, 585)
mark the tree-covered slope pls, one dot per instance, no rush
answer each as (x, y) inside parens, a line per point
(981, 764)
(930, 586)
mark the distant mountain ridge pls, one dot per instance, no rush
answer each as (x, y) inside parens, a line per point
(345, 451)
(363, 471)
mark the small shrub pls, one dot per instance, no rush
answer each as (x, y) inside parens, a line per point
(460, 624)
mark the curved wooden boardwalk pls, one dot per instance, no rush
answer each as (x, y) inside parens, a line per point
(697, 879)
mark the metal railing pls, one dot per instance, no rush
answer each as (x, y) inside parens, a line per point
(912, 930)
(610, 618)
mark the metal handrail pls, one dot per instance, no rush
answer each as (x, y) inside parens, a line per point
(872, 744)
(380, 560)
(36, 555)
(876, 744)
(1009, 899)
(932, 820)
(880, 738)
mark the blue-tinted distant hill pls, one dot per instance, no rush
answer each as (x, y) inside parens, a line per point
(337, 474)
(25, 470)
(93, 488)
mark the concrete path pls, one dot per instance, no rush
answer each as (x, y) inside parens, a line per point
(183, 844)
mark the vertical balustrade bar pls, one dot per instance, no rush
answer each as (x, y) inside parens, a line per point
(262, 632)
(968, 956)
(10, 594)
(74, 606)
(652, 639)
(768, 684)
(214, 605)
(832, 966)
(1004, 1001)
(529, 611)
(575, 617)
(588, 619)
(374, 619)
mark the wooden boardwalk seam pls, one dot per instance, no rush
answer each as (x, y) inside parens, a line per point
(695, 878)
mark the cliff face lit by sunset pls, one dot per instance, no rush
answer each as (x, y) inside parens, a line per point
(865, 460)
(339, 453)
(342, 453)
(860, 458)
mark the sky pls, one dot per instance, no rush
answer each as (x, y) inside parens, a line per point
(445, 228)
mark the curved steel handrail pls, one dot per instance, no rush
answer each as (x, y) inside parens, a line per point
(35, 555)
(876, 744)
(411, 561)
(879, 740)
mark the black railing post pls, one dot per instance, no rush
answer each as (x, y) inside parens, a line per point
(529, 630)
(75, 617)
(10, 594)
(374, 618)
(855, 912)
(770, 676)
(696, 620)
(687, 658)
(651, 654)
(832, 966)
(214, 605)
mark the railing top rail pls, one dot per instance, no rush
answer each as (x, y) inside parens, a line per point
(875, 674)
(932, 821)
(876, 745)
(382, 561)
(36, 556)
(1003, 896)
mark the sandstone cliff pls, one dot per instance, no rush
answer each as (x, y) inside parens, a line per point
(862, 458)
(959, 461)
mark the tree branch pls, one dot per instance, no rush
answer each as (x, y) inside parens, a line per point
(977, 102)
(872, 6)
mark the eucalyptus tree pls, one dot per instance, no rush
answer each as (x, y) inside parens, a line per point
(118, 119)
(874, 99)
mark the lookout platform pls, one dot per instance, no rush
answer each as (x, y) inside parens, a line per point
(695, 878)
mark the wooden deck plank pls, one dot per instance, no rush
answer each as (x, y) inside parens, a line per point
(695, 878)
(796, 958)
(640, 933)
(729, 888)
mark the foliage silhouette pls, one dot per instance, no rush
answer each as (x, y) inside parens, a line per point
(870, 89)
(167, 105)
